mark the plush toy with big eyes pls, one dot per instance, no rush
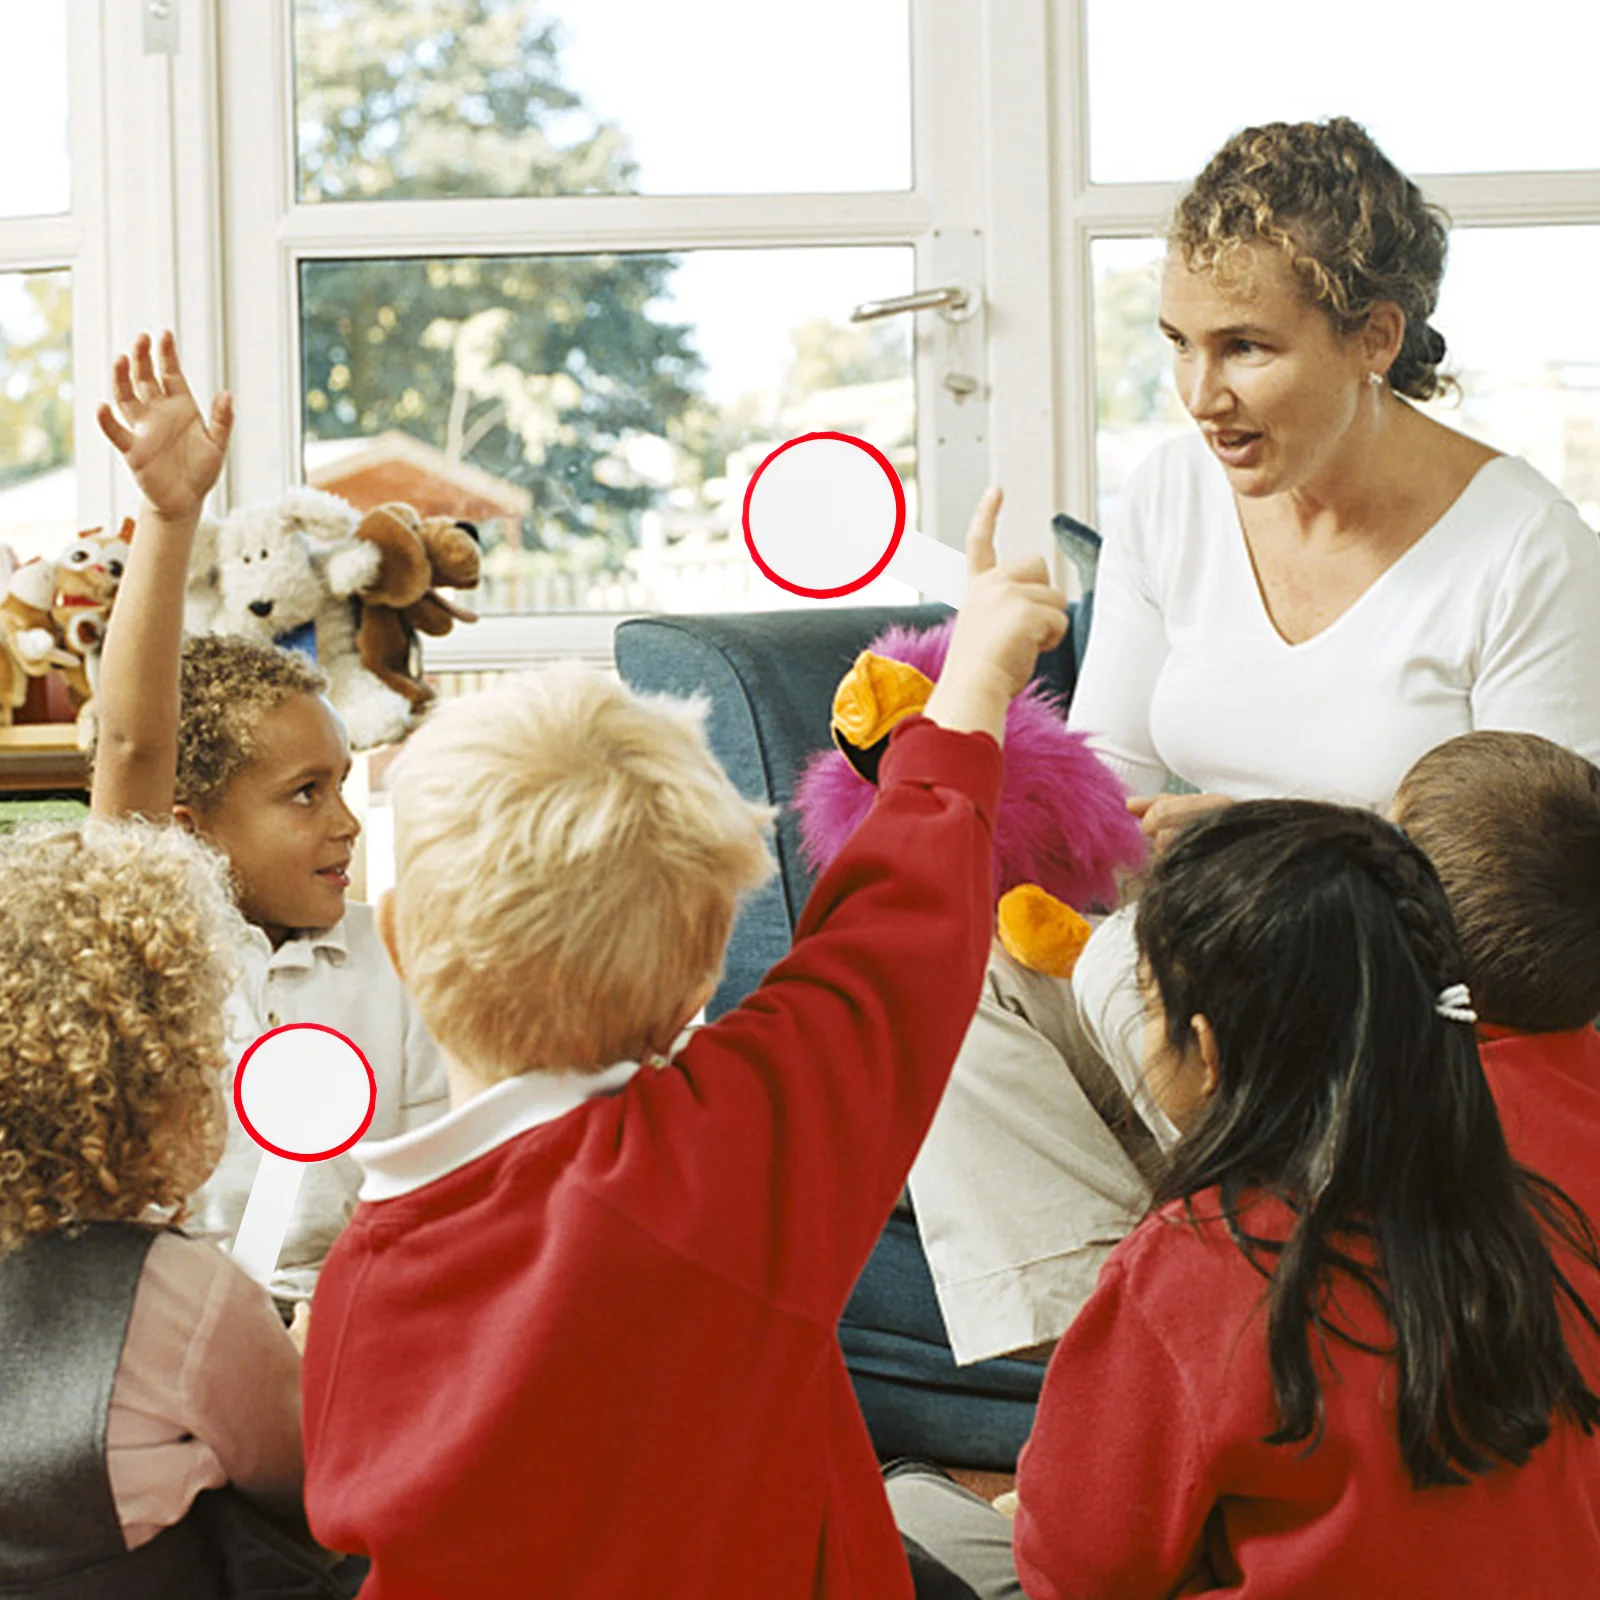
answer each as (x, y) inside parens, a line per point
(1062, 832)
(53, 619)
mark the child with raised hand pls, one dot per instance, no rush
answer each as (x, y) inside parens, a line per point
(238, 744)
(138, 1367)
(580, 1337)
(1354, 1350)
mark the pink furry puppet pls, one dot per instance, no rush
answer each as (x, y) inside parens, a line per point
(1062, 832)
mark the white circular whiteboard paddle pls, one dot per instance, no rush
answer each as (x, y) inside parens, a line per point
(304, 1093)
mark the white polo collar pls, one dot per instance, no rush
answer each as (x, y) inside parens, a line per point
(300, 950)
(393, 1167)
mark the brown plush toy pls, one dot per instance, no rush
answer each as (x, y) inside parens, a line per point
(419, 554)
(53, 619)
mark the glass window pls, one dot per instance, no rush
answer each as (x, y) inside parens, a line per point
(1136, 406)
(398, 99)
(1526, 350)
(38, 483)
(1441, 89)
(35, 177)
(601, 415)
(1528, 366)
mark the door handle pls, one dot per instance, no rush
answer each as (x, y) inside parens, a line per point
(952, 303)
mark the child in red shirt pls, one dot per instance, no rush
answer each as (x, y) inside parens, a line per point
(579, 1338)
(1337, 1360)
(1512, 822)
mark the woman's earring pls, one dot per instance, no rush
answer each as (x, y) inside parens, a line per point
(1375, 379)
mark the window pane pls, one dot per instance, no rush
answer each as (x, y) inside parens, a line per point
(1529, 366)
(600, 416)
(1168, 84)
(35, 179)
(520, 97)
(1136, 406)
(1529, 369)
(38, 483)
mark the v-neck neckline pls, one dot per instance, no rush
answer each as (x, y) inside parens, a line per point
(1427, 536)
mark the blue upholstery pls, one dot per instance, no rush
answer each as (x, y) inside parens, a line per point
(770, 677)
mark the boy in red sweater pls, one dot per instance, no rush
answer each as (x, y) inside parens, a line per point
(579, 1338)
(1512, 823)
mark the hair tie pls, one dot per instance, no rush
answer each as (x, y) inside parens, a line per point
(1454, 1004)
(1433, 345)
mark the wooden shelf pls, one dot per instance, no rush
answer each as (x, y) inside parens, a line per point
(40, 756)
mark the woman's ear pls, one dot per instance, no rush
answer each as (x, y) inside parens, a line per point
(383, 916)
(1205, 1039)
(1382, 335)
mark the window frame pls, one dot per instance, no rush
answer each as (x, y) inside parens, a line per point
(1089, 211)
(270, 232)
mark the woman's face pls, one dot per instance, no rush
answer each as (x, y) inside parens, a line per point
(1276, 390)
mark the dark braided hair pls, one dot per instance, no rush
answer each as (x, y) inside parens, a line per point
(1316, 940)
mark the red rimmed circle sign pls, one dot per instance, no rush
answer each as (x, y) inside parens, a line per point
(311, 1096)
(824, 515)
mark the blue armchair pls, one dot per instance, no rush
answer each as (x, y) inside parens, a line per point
(770, 678)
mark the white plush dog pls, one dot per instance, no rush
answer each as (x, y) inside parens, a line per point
(284, 573)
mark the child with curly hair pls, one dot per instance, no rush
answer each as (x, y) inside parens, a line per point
(123, 1344)
(237, 742)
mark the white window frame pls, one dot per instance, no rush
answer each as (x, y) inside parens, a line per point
(1089, 211)
(976, 131)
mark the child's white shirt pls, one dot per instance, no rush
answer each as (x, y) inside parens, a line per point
(341, 977)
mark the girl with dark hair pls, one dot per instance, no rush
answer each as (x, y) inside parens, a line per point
(1352, 1350)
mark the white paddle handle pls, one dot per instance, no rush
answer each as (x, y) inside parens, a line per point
(266, 1216)
(934, 568)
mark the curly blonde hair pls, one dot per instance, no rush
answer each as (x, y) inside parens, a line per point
(1355, 230)
(111, 1043)
(227, 685)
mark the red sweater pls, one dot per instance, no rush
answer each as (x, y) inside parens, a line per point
(1147, 1449)
(600, 1359)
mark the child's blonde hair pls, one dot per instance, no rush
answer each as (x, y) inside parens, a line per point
(226, 686)
(568, 857)
(111, 1042)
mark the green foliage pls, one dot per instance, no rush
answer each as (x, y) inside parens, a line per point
(1132, 362)
(532, 367)
(36, 379)
(408, 99)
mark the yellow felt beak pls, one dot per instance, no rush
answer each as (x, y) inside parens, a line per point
(873, 696)
(1041, 932)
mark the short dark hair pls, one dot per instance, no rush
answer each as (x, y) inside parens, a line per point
(1316, 940)
(1512, 824)
(226, 686)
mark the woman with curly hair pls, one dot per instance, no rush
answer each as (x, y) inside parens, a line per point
(1323, 582)
(138, 1367)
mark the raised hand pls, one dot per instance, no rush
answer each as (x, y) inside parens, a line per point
(173, 452)
(1010, 613)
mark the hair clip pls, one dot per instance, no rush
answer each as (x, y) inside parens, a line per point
(1454, 1004)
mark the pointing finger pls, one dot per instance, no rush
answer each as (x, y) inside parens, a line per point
(980, 535)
